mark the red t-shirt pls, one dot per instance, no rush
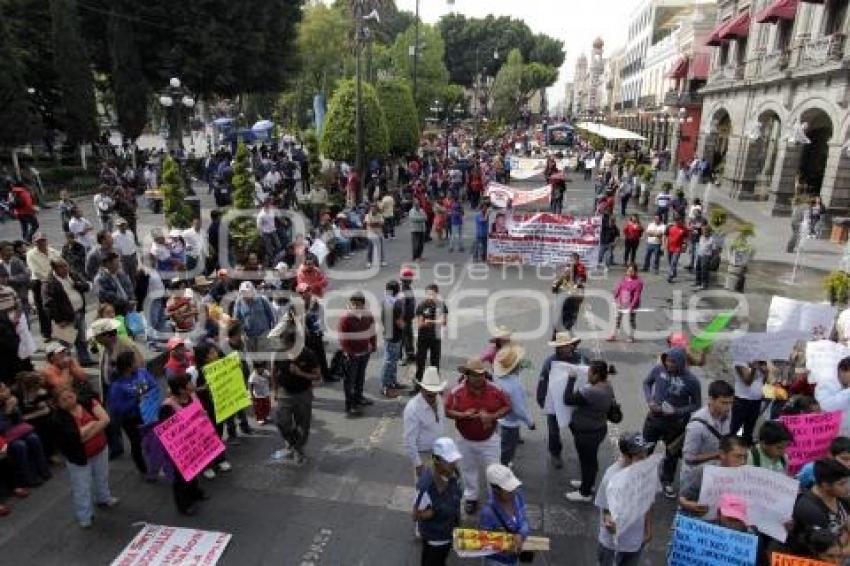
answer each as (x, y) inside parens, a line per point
(491, 400)
(632, 231)
(676, 236)
(96, 443)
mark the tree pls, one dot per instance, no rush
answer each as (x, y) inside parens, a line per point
(311, 142)
(177, 212)
(339, 139)
(243, 233)
(15, 116)
(535, 76)
(507, 88)
(396, 100)
(130, 88)
(74, 73)
(431, 74)
(322, 45)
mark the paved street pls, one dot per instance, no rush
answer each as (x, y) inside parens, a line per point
(350, 505)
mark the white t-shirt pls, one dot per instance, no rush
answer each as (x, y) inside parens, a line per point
(628, 540)
(752, 392)
(83, 230)
(654, 232)
(194, 242)
(261, 388)
(124, 243)
(265, 221)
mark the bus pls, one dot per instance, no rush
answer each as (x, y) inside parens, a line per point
(560, 136)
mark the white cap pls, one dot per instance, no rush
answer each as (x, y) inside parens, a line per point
(446, 450)
(246, 287)
(54, 348)
(282, 266)
(502, 476)
(102, 326)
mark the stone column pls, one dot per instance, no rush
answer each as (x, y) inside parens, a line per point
(734, 157)
(782, 189)
(835, 190)
(752, 164)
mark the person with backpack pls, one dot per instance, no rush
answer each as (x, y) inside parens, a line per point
(706, 429)
(769, 453)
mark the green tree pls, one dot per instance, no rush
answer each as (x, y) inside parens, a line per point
(507, 88)
(243, 234)
(15, 116)
(397, 104)
(177, 212)
(74, 73)
(535, 77)
(130, 88)
(311, 142)
(339, 136)
(322, 45)
(431, 73)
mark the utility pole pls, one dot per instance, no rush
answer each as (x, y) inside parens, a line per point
(415, 48)
(358, 120)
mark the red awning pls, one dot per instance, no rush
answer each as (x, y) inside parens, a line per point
(700, 66)
(714, 37)
(679, 69)
(738, 27)
(779, 10)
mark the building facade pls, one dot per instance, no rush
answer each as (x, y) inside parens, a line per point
(775, 116)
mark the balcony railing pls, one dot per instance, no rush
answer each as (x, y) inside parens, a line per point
(828, 49)
(648, 101)
(774, 62)
(679, 99)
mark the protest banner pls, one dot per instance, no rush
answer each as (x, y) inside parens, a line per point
(190, 440)
(779, 559)
(822, 357)
(559, 373)
(770, 496)
(706, 338)
(159, 545)
(814, 320)
(812, 434)
(500, 195)
(763, 346)
(697, 543)
(542, 239)
(227, 385)
(631, 492)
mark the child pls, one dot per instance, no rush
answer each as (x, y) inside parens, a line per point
(622, 545)
(260, 392)
(769, 453)
(839, 450)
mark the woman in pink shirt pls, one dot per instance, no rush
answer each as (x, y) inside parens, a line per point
(627, 298)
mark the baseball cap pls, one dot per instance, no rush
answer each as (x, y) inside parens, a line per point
(633, 444)
(407, 273)
(282, 266)
(446, 449)
(733, 507)
(102, 326)
(54, 348)
(503, 477)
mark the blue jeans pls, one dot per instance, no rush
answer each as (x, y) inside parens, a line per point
(455, 237)
(673, 261)
(653, 252)
(479, 251)
(606, 255)
(93, 477)
(375, 242)
(664, 213)
(344, 245)
(391, 357)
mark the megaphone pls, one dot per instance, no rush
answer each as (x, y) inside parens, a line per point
(373, 15)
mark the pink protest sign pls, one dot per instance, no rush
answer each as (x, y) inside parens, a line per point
(812, 435)
(190, 439)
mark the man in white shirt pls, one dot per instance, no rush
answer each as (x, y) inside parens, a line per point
(195, 248)
(271, 180)
(424, 419)
(388, 212)
(38, 260)
(124, 244)
(834, 395)
(268, 231)
(81, 228)
(654, 233)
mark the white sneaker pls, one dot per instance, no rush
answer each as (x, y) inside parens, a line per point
(281, 454)
(577, 497)
(209, 473)
(225, 466)
(575, 483)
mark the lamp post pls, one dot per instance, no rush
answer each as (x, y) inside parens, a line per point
(360, 32)
(415, 48)
(173, 99)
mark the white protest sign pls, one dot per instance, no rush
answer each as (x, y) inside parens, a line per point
(631, 492)
(770, 496)
(765, 346)
(815, 320)
(559, 373)
(822, 357)
(158, 545)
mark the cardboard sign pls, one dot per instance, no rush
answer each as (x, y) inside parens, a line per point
(764, 346)
(822, 357)
(706, 338)
(697, 543)
(813, 320)
(558, 376)
(190, 439)
(770, 496)
(542, 239)
(227, 385)
(631, 492)
(812, 435)
(500, 195)
(158, 545)
(779, 559)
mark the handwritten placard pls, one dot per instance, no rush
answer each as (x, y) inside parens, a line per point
(227, 385)
(779, 559)
(763, 346)
(158, 545)
(190, 439)
(631, 492)
(822, 357)
(559, 373)
(697, 543)
(770, 496)
(812, 434)
(813, 320)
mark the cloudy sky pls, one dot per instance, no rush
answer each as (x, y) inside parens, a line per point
(576, 22)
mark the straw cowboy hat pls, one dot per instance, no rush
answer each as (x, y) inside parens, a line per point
(431, 380)
(101, 326)
(501, 333)
(564, 338)
(473, 365)
(507, 359)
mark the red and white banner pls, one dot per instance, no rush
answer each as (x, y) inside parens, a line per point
(159, 545)
(501, 194)
(542, 239)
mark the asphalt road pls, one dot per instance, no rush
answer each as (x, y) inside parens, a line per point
(350, 504)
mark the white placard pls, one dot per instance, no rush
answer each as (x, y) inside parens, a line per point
(815, 320)
(770, 496)
(764, 346)
(822, 357)
(159, 545)
(631, 492)
(558, 375)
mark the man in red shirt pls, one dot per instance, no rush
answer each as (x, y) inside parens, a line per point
(358, 340)
(676, 243)
(475, 404)
(24, 210)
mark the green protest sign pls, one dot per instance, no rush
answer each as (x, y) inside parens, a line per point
(705, 339)
(227, 385)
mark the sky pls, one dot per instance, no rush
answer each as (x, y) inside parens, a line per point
(576, 22)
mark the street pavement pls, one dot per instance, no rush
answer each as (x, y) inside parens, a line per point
(350, 504)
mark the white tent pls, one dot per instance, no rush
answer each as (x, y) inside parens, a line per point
(608, 132)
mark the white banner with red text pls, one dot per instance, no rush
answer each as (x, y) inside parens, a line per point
(501, 195)
(542, 238)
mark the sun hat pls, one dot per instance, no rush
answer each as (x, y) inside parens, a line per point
(507, 359)
(473, 365)
(201, 281)
(733, 507)
(564, 338)
(446, 449)
(102, 326)
(503, 477)
(431, 380)
(501, 333)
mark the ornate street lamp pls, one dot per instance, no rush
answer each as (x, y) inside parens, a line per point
(174, 99)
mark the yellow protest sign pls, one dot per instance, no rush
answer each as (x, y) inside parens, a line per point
(227, 385)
